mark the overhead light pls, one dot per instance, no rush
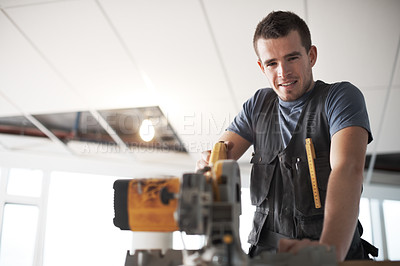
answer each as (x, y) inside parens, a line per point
(147, 130)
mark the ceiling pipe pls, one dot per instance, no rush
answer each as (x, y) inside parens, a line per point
(104, 124)
(47, 132)
(39, 125)
(384, 108)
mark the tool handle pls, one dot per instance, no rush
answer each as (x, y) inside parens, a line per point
(219, 152)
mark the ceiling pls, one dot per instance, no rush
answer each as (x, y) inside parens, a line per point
(192, 58)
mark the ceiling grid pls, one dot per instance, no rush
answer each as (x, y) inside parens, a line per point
(383, 116)
(94, 112)
(193, 58)
(146, 79)
(232, 93)
(39, 125)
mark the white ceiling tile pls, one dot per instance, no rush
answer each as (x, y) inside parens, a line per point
(389, 139)
(46, 147)
(26, 79)
(18, 3)
(375, 101)
(356, 40)
(6, 108)
(199, 127)
(234, 28)
(396, 77)
(31, 144)
(173, 46)
(76, 38)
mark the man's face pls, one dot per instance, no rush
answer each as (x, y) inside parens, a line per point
(287, 65)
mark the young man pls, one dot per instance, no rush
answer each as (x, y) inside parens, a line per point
(277, 121)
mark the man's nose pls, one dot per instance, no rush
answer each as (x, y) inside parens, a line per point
(284, 70)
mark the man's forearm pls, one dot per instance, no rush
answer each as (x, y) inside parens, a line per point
(347, 159)
(341, 210)
(237, 144)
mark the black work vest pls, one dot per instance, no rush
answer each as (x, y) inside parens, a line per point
(280, 183)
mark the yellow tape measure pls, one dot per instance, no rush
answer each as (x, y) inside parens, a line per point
(310, 158)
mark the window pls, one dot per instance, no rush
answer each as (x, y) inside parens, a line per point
(25, 182)
(246, 219)
(392, 221)
(365, 219)
(18, 235)
(21, 190)
(80, 229)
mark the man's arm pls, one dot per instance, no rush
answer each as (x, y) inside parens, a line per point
(237, 145)
(348, 148)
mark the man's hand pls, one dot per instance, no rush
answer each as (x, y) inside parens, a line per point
(294, 245)
(205, 156)
(204, 160)
(236, 146)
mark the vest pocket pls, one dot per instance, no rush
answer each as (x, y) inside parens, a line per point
(261, 176)
(258, 222)
(303, 191)
(309, 226)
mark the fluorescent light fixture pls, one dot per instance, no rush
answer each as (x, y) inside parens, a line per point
(144, 128)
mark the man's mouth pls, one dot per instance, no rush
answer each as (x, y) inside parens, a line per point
(287, 83)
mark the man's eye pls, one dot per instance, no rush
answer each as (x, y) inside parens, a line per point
(293, 58)
(271, 64)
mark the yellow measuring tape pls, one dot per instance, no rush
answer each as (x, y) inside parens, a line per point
(310, 158)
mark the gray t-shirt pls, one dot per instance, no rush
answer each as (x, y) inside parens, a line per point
(344, 107)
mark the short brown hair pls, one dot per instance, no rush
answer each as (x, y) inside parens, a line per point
(279, 24)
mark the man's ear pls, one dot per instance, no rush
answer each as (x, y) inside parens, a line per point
(313, 55)
(261, 65)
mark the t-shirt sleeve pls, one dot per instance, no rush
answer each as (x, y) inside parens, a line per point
(242, 124)
(345, 107)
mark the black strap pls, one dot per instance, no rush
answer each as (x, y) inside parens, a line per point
(270, 239)
(369, 248)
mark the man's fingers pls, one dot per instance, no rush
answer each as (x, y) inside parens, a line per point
(229, 146)
(205, 156)
(203, 162)
(200, 164)
(294, 245)
(285, 245)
